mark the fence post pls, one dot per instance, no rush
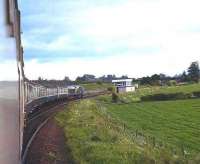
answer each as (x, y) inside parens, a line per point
(57, 92)
(154, 141)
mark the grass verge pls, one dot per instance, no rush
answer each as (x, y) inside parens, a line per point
(96, 137)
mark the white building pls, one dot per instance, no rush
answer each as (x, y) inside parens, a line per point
(124, 85)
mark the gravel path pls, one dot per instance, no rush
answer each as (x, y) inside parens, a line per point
(48, 147)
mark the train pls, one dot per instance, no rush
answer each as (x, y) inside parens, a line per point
(35, 91)
(29, 94)
(36, 95)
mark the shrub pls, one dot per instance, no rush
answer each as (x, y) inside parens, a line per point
(51, 156)
(95, 138)
(196, 94)
(182, 95)
(115, 97)
(99, 83)
(111, 89)
(169, 96)
(171, 83)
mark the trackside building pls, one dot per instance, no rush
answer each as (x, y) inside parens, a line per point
(124, 85)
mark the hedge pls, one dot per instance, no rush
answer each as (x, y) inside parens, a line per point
(169, 96)
(196, 94)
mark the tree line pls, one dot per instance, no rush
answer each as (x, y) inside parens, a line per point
(192, 74)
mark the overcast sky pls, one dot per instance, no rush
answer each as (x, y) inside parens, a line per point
(129, 37)
(8, 65)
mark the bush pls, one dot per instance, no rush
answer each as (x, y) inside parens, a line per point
(115, 97)
(99, 83)
(196, 94)
(95, 138)
(111, 89)
(170, 96)
(172, 83)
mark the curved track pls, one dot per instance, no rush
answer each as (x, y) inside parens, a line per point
(39, 117)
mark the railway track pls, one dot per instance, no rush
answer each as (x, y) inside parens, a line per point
(40, 116)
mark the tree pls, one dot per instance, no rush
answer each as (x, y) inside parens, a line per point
(194, 72)
(124, 77)
(40, 78)
(153, 80)
(66, 78)
(135, 80)
(79, 79)
(115, 97)
(145, 80)
(184, 77)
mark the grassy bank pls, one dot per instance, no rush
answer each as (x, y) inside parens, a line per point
(94, 137)
(128, 132)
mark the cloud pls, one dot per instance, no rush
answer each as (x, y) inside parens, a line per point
(134, 66)
(60, 43)
(142, 36)
(7, 45)
(140, 19)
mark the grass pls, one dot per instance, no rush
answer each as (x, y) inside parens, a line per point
(51, 156)
(96, 86)
(173, 122)
(99, 131)
(168, 89)
(89, 136)
(143, 91)
(95, 138)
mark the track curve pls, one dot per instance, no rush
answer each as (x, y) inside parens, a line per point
(36, 120)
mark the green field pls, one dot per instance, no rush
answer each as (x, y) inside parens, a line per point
(130, 131)
(96, 86)
(173, 122)
(143, 91)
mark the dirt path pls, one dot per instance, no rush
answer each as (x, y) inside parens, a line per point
(49, 146)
